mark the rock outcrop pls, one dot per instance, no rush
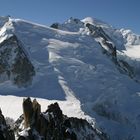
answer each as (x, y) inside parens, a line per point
(52, 124)
(6, 133)
(14, 63)
(109, 48)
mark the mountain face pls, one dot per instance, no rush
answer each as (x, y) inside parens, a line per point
(85, 62)
(15, 65)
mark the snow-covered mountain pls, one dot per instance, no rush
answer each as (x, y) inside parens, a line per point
(89, 67)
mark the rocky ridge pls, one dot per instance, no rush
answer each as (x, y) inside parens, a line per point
(6, 133)
(49, 125)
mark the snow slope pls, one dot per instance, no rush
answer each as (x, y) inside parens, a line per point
(11, 106)
(72, 69)
(133, 51)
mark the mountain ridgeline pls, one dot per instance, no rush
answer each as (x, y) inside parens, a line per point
(85, 62)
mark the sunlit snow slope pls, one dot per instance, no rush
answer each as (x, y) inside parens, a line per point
(87, 63)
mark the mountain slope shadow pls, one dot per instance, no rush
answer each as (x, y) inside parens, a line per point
(26, 76)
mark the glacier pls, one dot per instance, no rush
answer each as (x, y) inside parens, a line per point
(88, 66)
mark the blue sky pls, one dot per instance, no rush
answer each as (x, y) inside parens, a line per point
(119, 13)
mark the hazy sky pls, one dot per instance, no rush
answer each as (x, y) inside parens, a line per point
(119, 13)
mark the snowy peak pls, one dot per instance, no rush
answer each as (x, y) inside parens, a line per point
(130, 38)
(94, 21)
(3, 20)
(84, 62)
(72, 25)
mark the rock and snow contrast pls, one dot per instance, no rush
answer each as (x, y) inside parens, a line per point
(90, 68)
(49, 125)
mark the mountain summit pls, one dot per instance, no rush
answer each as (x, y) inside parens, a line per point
(86, 62)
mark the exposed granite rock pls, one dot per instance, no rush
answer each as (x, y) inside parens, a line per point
(14, 63)
(109, 48)
(53, 125)
(28, 112)
(6, 133)
(55, 25)
(106, 42)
